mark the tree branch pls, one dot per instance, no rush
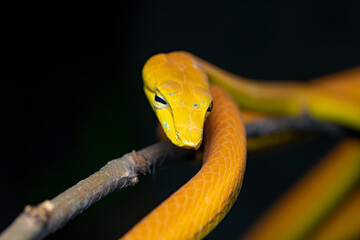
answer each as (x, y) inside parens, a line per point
(36, 222)
(305, 122)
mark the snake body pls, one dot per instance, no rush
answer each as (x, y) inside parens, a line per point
(176, 85)
(198, 206)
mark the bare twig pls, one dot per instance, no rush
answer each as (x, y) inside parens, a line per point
(39, 221)
(305, 122)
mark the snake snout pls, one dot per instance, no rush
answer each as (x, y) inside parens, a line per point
(192, 139)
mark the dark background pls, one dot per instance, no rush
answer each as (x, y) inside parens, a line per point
(72, 98)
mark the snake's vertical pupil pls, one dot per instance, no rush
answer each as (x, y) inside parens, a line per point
(160, 99)
(210, 107)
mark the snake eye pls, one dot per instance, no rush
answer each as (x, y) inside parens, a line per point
(160, 99)
(209, 109)
(160, 102)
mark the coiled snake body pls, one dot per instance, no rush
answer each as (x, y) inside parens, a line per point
(176, 85)
(178, 90)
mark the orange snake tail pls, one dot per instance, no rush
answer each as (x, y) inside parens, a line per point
(197, 207)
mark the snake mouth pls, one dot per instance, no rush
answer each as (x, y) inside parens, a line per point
(190, 145)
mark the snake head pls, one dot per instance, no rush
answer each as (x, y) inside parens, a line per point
(178, 91)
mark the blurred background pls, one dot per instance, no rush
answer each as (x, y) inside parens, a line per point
(72, 98)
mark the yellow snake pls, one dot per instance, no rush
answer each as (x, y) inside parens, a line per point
(176, 85)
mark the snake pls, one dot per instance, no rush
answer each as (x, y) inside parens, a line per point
(179, 92)
(190, 109)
